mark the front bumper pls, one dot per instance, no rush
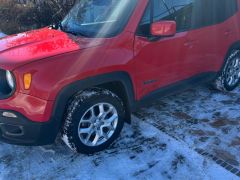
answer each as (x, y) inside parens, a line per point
(21, 131)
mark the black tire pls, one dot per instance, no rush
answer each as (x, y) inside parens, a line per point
(221, 83)
(78, 107)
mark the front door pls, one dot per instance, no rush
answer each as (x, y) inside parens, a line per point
(159, 61)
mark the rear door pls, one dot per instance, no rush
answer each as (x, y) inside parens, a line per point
(210, 36)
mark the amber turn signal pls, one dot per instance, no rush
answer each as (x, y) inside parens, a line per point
(27, 81)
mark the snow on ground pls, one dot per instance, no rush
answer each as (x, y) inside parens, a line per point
(203, 118)
(142, 152)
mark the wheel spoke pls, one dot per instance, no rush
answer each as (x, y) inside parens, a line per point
(236, 63)
(109, 110)
(111, 119)
(101, 110)
(230, 80)
(88, 136)
(96, 139)
(102, 134)
(230, 70)
(85, 130)
(92, 112)
(86, 121)
(92, 119)
(237, 71)
(105, 136)
(236, 78)
(110, 125)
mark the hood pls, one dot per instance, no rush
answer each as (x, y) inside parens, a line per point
(24, 48)
(1, 34)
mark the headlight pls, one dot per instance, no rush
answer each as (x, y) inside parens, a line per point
(10, 79)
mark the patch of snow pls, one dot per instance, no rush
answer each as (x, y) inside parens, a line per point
(66, 141)
(142, 152)
(45, 150)
(202, 118)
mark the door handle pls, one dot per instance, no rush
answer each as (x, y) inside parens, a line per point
(228, 32)
(190, 43)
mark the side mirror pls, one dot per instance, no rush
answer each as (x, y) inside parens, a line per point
(164, 28)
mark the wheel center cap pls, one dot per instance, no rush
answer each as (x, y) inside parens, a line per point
(97, 124)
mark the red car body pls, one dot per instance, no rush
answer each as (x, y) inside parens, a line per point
(57, 61)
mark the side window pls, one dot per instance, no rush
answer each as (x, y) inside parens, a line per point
(181, 12)
(155, 11)
(202, 13)
(175, 10)
(161, 11)
(211, 12)
(223, 9)
(144, 25)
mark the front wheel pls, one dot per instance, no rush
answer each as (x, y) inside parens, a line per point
(93, 121)
(229, 78)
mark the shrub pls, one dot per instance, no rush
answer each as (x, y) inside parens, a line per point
(17, 17)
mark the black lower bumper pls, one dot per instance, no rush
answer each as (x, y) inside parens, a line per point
(21, 131)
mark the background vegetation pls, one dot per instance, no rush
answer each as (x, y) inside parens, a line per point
(22, 15)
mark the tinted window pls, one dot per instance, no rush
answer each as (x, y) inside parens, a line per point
(176, 10)
(188, 14)
(160, 10)
(181, 12)
(144, 25)
(223, 9)
(210, 12)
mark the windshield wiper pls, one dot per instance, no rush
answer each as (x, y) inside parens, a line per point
(71, 32)
(76, 33)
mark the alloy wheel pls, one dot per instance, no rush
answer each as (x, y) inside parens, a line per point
(98, 124)
(233, 72)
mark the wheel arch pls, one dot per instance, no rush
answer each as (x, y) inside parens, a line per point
(70, 90)
(235, 45)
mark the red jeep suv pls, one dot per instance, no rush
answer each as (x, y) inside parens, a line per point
(84, 77)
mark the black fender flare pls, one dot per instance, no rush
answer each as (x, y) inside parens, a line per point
(70, 90)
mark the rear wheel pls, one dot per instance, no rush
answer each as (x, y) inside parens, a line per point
(93, 121)
(229, 77)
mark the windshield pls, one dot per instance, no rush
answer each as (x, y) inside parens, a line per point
(98, 18)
